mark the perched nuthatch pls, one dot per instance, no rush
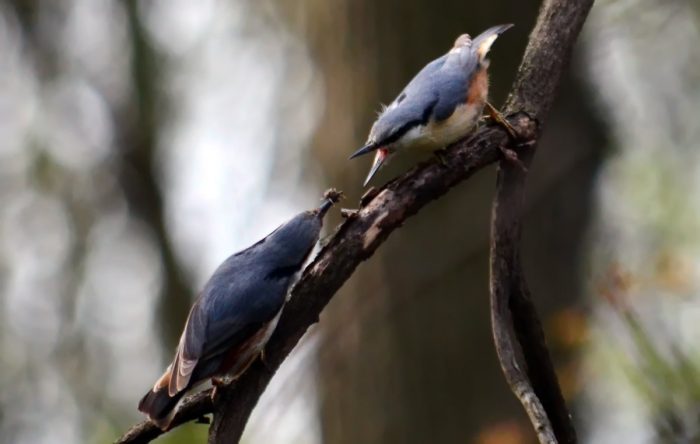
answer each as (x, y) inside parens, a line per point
(236, 312)
(442, 103)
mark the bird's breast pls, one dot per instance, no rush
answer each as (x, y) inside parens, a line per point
(459, 124)
(436, 135)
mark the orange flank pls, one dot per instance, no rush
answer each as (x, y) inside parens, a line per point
(478, 90)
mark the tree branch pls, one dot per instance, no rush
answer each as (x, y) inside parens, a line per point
(192, 409)
(360, 235)
(517, 331)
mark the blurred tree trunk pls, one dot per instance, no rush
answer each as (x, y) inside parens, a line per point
(407, 354)
(138, 140)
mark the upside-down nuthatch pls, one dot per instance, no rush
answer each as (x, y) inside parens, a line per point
(236, 312)
(442, 103)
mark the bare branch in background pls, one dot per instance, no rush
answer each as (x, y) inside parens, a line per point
(518, 334)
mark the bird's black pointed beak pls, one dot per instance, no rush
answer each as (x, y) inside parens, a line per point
(364, 150)
(332, 196)
(379, 159)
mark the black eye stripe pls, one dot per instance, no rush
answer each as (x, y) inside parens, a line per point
(403, 129)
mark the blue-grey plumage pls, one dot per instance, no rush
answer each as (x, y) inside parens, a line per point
(236, 312)
(439, 106)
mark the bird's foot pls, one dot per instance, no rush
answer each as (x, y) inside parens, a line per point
(440, 154)
(497, 117)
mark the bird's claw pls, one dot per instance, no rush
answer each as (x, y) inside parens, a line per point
(497, 117)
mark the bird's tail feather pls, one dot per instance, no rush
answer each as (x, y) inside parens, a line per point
(159, 406)
(482, 43)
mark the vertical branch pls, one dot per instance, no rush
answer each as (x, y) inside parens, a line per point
(517, 331)
(518, 336)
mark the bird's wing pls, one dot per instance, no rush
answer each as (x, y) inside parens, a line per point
(423, 79)
(227, 313)
(452, 83)
(189, 350)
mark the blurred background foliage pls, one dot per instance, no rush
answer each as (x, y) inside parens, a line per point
(143, 142)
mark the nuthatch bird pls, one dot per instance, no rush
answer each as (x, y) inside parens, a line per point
(440, 105)
(235, 314)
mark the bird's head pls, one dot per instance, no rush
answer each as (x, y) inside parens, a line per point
(292, 241)
(385, 133)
